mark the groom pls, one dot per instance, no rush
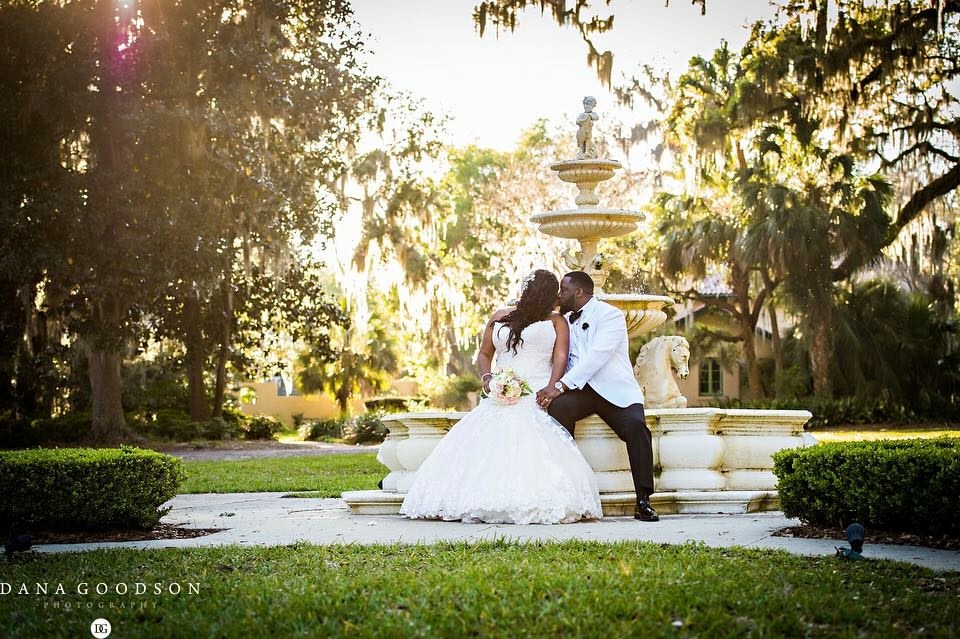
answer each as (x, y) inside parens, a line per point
(599, 380)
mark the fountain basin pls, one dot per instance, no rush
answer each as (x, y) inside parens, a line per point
(587, 222)
(707, 460)
(644, 313)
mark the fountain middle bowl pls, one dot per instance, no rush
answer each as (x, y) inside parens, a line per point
(588, 222)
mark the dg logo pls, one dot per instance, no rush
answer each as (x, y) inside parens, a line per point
(100, 628)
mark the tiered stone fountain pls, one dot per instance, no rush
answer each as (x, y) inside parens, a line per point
(708, 460)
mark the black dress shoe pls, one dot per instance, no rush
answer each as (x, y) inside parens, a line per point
(645, 512)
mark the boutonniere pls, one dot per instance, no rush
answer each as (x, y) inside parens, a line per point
(585, 326)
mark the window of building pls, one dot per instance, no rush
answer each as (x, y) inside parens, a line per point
(711, 377)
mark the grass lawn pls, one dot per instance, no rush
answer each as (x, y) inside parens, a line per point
(502, 589)
(873, 433)
(328, 475)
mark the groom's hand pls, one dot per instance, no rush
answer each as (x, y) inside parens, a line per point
(546, 395)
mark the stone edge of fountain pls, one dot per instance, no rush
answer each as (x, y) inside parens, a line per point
(730, 472)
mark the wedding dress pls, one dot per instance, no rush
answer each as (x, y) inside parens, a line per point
(508, 463)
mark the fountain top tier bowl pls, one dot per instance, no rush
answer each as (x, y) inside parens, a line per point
(592, 170)
(586, 174)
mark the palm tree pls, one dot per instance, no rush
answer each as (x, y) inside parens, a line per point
(699, 235)
(894, 344)
(364, 363)
(704, 230)
(812, 212)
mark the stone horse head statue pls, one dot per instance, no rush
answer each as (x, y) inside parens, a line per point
(657, 361)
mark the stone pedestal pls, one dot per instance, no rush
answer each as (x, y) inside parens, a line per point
(751, 438)
(387, 455)
(707, 460)
(606, 455)
(416, 436)
(691, 452)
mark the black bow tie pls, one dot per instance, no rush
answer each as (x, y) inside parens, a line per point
(575, 315)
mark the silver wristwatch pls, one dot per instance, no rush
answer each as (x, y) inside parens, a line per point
(560, 387)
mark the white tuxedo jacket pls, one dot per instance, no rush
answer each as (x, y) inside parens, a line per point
(599, 355)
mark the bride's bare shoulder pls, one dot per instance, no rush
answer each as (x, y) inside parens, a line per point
(499, 314)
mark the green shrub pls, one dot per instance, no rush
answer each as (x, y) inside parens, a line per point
(15, 432)
(897, 484)
(455, 393)
(262, 427)
(87, 487)
(67, 428)
(64, 429)
(832, 412)
(172, 423)
(321, 429)
(176, 425)
(366, 429)
(233, 415)
(221, 428)
(154, 384)
(395, 403)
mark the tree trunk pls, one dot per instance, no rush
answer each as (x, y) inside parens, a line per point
(197, 403)
(104, 346)
(820, 349)
(12, 325)
(740, 281)
(754, 377)
(219, 393)
(109, 425)
(775, 336)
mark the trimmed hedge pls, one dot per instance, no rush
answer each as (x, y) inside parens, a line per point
(91, 488)
(840, 410)
(908, 484)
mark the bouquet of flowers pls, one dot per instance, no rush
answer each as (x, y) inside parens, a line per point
(506, 387)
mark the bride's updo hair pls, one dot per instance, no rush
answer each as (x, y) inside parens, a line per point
(538, 298)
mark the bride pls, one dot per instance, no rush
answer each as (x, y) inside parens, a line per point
(511, 463)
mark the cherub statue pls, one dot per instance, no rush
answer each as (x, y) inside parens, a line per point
(595, 268)
(585, 147)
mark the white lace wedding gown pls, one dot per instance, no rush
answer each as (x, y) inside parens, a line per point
(508, 464)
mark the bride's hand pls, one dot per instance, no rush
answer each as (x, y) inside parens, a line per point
(542, 397)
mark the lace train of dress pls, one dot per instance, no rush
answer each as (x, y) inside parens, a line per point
(508, 464)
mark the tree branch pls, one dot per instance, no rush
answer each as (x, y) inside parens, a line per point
(920, 199)
(885, 44)
(758, 306)
(908, 212)
(696, 296)
(921, 147)
(930, 125)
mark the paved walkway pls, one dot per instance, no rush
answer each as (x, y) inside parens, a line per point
(270, 519)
